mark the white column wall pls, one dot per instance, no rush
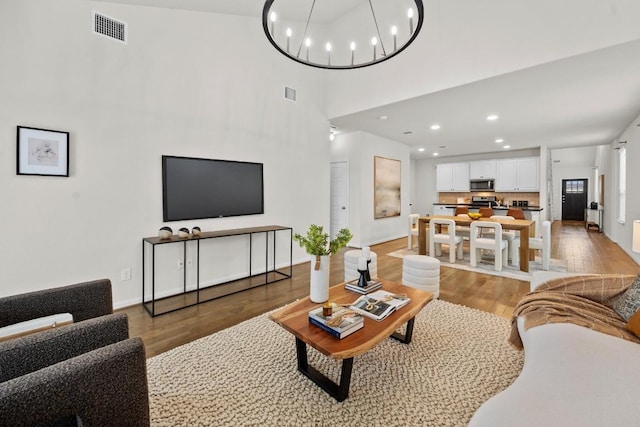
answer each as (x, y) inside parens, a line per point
(622, 233)
(186, 84)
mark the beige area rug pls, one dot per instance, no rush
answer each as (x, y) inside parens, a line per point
(247, 376)
(486, 265)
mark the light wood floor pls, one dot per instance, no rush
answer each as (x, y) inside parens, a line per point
(585, 252)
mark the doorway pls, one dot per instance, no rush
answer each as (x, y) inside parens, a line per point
(574, 199)
(339, 197)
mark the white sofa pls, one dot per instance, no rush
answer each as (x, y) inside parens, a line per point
(572, 376)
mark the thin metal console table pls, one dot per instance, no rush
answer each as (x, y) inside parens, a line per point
(271, 274)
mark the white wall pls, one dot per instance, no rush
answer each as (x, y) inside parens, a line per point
(186, 84)
(621, 233)
(359, 149)
(467, 40)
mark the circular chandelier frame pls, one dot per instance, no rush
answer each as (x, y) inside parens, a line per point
(266, 12)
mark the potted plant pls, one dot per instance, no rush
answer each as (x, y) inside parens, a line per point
(318, 245)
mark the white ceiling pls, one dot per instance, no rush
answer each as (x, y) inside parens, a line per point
(583, 100)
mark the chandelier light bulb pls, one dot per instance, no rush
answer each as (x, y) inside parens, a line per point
(288, 38)
(307, 43)
(353, 45)
(394, 32)
(328, 47)
(273, 18)
(374, 42)
(410, 16)
(288, 32)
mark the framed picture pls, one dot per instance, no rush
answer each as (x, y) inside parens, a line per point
(386, 177)
(42, 152)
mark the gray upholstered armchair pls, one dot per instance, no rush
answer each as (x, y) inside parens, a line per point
(88, 373)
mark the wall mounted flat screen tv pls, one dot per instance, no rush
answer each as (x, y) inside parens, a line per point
(195, 188)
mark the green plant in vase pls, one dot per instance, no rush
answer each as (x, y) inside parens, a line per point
(320, 247)
(317, 242)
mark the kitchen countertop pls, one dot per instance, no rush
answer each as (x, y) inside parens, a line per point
(524, 208)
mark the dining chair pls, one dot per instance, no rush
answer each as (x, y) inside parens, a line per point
(510, 237)
(516, 213)
(485, 212)
(413, 229)
(494, 243)
(463, 230)
(541, 243)
(461, 210)
(436, 239)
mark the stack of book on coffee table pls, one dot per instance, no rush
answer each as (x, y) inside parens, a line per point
(372, 285)
(342, 322)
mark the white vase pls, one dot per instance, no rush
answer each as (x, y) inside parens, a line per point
(319, 288)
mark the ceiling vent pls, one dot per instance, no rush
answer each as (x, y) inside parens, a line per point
(290, 93)
(109, 27)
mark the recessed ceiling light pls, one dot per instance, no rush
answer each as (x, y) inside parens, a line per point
(436, 154)
(492, 117)
(408, 132)
(421, 149)
(506, 147)
(382, 117)
(435, 127)
(499, 141)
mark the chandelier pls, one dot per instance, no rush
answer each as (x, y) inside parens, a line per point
(341, 34)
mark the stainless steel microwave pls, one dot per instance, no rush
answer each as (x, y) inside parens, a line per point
(481, 185)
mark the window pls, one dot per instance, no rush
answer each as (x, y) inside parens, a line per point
(575, 187)
(622, 183)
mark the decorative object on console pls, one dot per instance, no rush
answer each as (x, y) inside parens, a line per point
(42, 152)
(183, 232)
(196, 231)
(363, 270)
(360, 50)
(165, 233)
(318, 245)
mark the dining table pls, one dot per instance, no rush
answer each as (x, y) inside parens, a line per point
(526, 227)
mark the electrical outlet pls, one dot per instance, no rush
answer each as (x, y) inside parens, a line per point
(125, 273)
(180, 264)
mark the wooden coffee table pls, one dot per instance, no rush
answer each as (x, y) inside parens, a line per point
(294, 318)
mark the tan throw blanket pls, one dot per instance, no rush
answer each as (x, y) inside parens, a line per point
(581, 300)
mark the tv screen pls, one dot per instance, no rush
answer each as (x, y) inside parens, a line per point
(205, 188)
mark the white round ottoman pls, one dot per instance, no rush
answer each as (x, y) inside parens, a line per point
(351, 265)
(421, 272)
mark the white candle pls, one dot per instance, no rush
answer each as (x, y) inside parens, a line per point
(362, 263)
(366, 253)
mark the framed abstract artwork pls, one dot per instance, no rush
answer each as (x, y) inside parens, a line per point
(42, 152)
(386, 177)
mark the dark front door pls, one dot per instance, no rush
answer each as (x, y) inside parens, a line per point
(574, 199)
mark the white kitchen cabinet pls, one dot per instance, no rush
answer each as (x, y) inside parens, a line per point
(452, 177)
(520, 174)
(482, 169)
